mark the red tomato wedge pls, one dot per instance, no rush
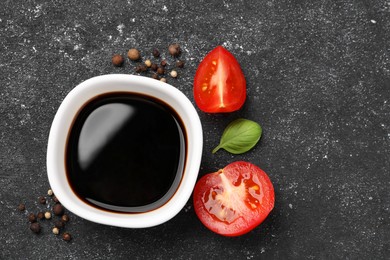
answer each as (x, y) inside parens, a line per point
(234, 200)
(219, 84)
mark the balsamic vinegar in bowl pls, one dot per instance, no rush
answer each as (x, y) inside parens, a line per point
(124, 150)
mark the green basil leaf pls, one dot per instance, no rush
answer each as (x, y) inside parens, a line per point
(240, 136)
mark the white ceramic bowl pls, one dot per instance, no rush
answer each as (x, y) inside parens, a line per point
(62, 123)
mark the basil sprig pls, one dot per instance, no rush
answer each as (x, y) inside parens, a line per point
(240, 136)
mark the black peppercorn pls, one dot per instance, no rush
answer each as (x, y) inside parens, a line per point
(163, 63)
(180, 64)
(174, 49)
(58, 210)
(155, 76)
(160, 70)
(59, 224)
(41, 215)
(42, 200)
(156, 53)
(117, 60)
(32, 218)
(35, 227)
(21, 207)
(141, 68)
(154, 67)
(65, 218)
(66, 236)
(138, 69)
(55, 199)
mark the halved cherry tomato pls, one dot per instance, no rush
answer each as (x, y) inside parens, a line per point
(234, 200)
(219, 84)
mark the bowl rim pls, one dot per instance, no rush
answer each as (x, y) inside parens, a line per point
(63, 120)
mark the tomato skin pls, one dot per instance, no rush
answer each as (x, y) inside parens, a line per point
(247, 213)
(219, 83)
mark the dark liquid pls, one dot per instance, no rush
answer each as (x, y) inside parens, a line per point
(126, 153)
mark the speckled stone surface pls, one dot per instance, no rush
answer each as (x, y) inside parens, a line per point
(318, 80)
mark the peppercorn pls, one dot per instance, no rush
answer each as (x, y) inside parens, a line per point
(32, 218)
(163, 80)
(173, 73)
(58, 210)
(66, 236)
(154, 67)
(50, 192)
(156, 53)
(21, 207)
(148, 63)
(42, 200)
(117, 60)
(55, 199)
(55, 231)
(174, 49)
(155, 76)
(41, 215)
(160, 70)
(35, 227)
(163, 63)
(47, 215)
(141, 68)
(65, 218)
(180, 64)
(59, 224)
(133, 54)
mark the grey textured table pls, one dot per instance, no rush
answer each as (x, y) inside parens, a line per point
(318, 80)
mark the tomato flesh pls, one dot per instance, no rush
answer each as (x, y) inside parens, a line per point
(234, 200)
(219, 84)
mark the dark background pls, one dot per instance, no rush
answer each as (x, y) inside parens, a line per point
(318, 79)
